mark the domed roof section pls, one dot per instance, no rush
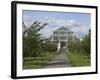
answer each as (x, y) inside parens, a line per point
(63, 28)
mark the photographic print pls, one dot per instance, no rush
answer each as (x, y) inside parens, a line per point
(53, 39)
(56, 39)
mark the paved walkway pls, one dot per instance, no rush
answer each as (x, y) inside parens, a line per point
(61, 60)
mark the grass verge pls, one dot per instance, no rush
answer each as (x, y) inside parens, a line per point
(39, 62)
(79, 59)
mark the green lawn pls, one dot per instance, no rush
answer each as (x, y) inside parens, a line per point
(39, 62)
(78, 59)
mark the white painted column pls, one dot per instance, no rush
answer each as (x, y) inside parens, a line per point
(58, 46)
(52, 39)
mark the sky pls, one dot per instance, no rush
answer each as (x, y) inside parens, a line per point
(79, 23)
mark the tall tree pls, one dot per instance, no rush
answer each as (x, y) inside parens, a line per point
(32, 39)
(87, 42)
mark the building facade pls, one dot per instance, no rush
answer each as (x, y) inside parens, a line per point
(62, 36)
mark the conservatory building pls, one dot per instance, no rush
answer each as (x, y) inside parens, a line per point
(62, 35)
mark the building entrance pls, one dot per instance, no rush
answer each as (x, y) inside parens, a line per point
(62, 44)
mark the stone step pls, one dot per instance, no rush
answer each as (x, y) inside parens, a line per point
(57, 62)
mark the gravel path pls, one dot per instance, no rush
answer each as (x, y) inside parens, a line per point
(61, 60)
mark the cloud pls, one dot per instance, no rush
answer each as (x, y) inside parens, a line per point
(60, 22)
(55, 23)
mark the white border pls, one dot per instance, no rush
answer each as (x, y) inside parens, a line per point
(21, 72)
